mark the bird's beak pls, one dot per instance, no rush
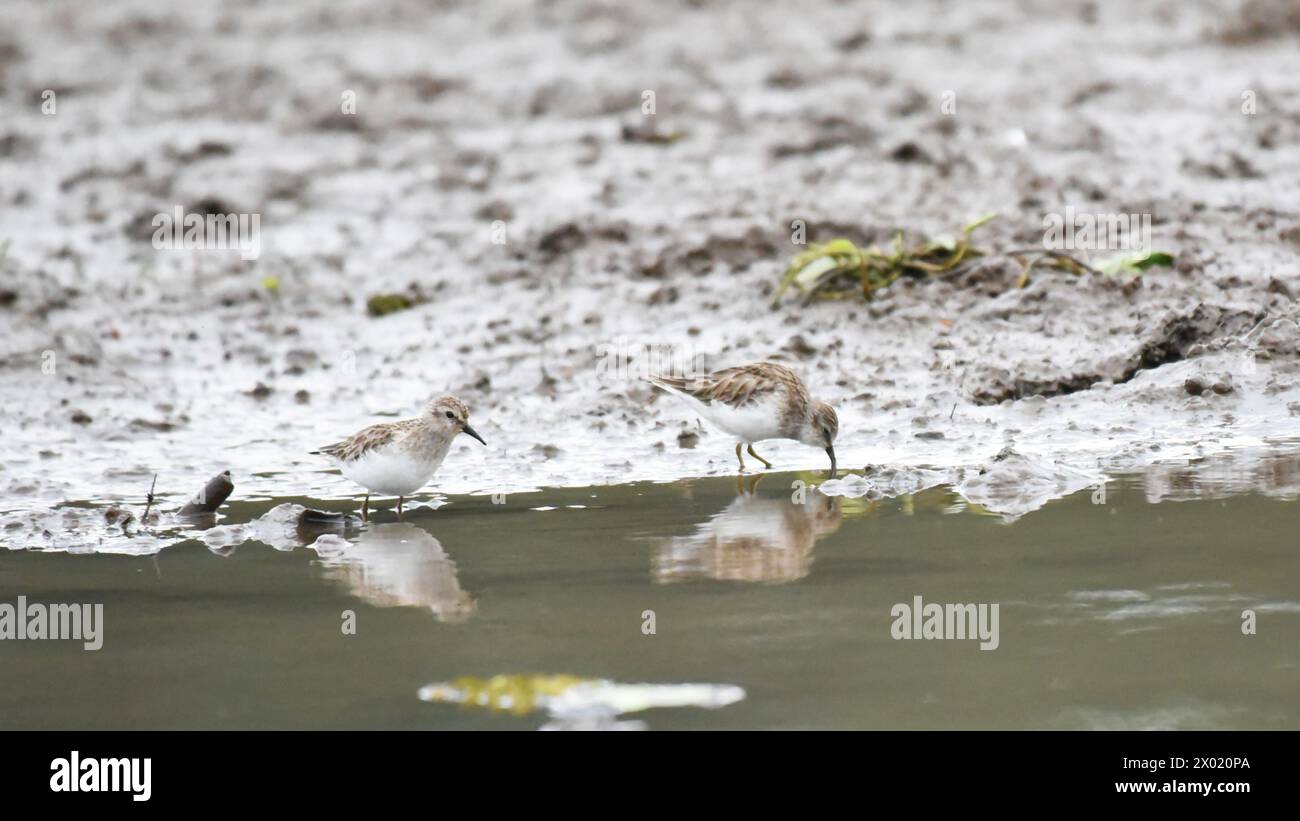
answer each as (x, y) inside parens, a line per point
(467, 429)
(830, 451)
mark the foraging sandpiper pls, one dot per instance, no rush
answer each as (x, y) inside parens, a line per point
(399, 458)
(756, 402)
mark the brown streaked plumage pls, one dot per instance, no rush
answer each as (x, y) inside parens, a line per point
(744, 384)
(366, 440)
(762, 400)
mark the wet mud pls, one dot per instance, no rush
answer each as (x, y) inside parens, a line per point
(543, 235)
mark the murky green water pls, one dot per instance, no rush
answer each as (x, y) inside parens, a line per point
(1122, 614)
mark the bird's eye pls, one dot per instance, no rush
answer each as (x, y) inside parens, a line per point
(451, 415)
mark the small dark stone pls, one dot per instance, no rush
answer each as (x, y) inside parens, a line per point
(561, 240)
(800, 347)
(546, 451)
(909, 152)
(854, 41)
(664, 296)
(496, 210)
(150, 425)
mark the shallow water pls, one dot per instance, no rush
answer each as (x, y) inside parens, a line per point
(1115, 612)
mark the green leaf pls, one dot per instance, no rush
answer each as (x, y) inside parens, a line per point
(984, 220)
(810, 273)
(384, 304)
(1136, 262)
(1155, 258)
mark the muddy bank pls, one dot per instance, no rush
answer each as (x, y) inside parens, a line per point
(500, 173)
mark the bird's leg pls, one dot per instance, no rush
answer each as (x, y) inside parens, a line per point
(740, 458)
(365, 509)
(399, 507)
(766, 463)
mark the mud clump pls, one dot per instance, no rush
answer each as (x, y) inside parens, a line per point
(16, 146)
(666, 295)
(734, 251)
(996, 384)
(1013, 484)
(1177, 334)
(1280, 339)
(569, 237)
(827, 134)
(1197, 385)
(1171, 341)
(142, 227)
(546, 451)
(1258, 20)
(910, 152)
(496, 210)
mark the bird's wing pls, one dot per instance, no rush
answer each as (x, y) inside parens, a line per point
(736, 386)
(363, 442)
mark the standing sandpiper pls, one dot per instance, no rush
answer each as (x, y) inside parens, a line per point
(399, 458)
(756, 402)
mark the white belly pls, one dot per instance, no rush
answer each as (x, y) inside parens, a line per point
(393, 472)
(753, 423)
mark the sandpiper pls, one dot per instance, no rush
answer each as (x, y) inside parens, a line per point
(759, 401)
(399, 458)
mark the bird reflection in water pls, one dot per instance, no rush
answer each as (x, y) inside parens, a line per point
(753, 539)
(401, 565)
